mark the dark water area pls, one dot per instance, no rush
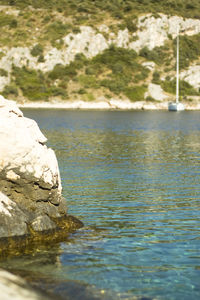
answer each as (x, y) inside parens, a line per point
(133, 178)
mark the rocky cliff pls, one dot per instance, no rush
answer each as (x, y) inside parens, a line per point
(68, 67)
(31, 201)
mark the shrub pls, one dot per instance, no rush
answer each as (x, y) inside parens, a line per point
(114, 55)
(156, 77)
(88, 97)
(13, 23)
(21, 36)
(169, 86)
(88, 81)
(34, 84)
(158, 54)
(190, 49)
(94, 68)
(80, 61)
(62, 72)
(37, 50)
(3, 72)
(118, 8)
(10, 89)
(41, 58)
(90, 70)
(58, 91)
(57, 30)
(6, 20)
(141, 75)
(46, 19)
(130, 24)
(76, 30)
(149, 98)
(185, 87)
(136, 93)
(2, 54)
(81, 91)
(116, 85)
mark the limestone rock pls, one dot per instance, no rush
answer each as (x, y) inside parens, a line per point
(14, 287)
(151, 32)
(30, 187)
(156, 92)
(150, 65)
(154, 31)
(192, 76)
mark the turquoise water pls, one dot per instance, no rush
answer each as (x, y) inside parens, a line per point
(133, 178)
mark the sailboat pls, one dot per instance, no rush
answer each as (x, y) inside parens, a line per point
(177, 106)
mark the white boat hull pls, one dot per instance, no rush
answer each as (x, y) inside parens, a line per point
(173, 106)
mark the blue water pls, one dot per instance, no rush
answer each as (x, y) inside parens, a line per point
(133, 178)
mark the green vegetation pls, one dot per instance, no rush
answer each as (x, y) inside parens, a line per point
(88, 81)
(118, 68)
(159, 55)
(156, 77)
(190, 49)
(136, 93)
(41, 24)
(33, 84)
(7, 20)
(37, 50)
(115, 71)
(56, 31)
(185, 88)
(3, 72)
(10, 90)
(117, 8)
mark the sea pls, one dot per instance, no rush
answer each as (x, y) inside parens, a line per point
(133, 179)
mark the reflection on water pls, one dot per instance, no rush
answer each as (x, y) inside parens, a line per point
(133, 178)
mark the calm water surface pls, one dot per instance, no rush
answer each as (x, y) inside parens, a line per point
(133, 178)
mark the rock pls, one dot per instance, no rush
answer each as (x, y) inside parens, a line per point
(154, 31)
(150, 65)
(151, 32)
(88, 42)
(42, 223)
(156, 92)
(31, 198)
(14, 287)
(192, 76)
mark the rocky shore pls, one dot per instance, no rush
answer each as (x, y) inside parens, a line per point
(32, 208)
(112, 104)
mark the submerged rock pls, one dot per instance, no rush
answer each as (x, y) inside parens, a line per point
(31, 201)
(14, 287)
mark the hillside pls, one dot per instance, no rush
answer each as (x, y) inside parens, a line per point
(93, 50)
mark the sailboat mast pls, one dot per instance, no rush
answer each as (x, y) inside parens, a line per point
(177, 68)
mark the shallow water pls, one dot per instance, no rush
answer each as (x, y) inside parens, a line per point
(133, 178)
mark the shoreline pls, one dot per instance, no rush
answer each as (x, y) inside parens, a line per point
(104, 105)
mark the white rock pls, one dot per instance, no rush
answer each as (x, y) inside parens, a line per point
(122, 39)
(192, 76)
(13, 287)
(11, 175)
(22, 149)
(149, 65)
(156, 92)
(6, 205)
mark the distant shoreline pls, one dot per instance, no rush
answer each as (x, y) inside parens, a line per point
(104, 105)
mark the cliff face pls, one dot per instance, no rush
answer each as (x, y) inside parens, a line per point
(31, 201)
(152, 33)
